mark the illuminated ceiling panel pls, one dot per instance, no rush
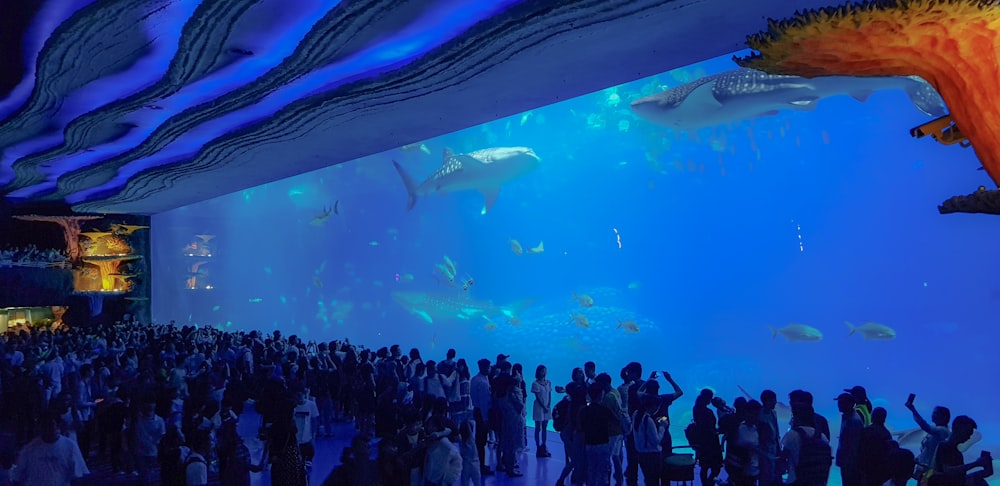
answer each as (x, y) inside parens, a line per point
(140, 106)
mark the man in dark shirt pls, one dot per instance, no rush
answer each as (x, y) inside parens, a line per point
(633, 372)
(596, 420)
(849, 442)
(876, 445)
(949, 465)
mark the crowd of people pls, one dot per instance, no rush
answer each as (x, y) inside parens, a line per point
(30, 254)
(164, 402)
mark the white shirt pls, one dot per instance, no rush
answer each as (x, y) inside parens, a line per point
(304, 415)
(55, 464)
(195, 470)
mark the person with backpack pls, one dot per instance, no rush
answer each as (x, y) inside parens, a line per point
(566, 418)
(195, 468)
(806, 449)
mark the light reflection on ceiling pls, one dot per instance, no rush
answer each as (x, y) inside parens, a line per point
(140, 106)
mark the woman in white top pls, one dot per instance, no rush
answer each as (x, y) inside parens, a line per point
(541, 411)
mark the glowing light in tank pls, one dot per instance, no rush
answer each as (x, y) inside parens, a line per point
(618, 237)
(433, 29)
(798, 233)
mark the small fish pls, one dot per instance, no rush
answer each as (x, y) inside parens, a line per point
(445, 272)
(467, 283)
(634, 286)
(373, 243)
(585, 300)
(434, 341)
(490, 326)
(268, 270)
(580, 319)
(416, 147)
(321, 218)
(283, 299)
(216, 308)
(872, 331)
(515, 246)
(797, 332)
(407, 277)
(256, 300)
(452, 266)
(514, 321)
(318, 282)
(538, 249)
(628, 325)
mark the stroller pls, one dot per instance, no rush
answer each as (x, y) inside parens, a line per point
(678, 467)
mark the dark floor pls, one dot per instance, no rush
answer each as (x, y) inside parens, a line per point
(536, 471)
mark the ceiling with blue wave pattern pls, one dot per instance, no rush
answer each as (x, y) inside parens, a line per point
(140, 106)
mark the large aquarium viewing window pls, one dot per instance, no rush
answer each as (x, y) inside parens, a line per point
(797, 246)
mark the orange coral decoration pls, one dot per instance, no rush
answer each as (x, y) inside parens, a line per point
(108, 266)
(953, 44)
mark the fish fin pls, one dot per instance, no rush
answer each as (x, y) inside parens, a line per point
(702, 94)
(862, 95)
(925, 98)
(336, 207)
(619, 326)
(424, 315)
(774, 332)
(491, 198)
(411, 185)
(851, 327)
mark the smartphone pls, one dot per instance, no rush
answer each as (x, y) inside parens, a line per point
(911, 398)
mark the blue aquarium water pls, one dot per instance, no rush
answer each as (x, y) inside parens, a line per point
(692, 245)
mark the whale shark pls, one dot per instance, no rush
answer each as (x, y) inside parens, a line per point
(447, 305)
(483, 170)
(741, 94)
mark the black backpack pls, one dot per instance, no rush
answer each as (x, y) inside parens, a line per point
(560, 415)
(815, 459)
(697, 436)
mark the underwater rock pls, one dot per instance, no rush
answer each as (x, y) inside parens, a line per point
(982, 201)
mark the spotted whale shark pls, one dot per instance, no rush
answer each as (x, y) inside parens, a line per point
(741, 94)
(448, 305)
(483, 170)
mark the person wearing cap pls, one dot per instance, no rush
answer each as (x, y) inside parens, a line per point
(862, 404)
(849, 444)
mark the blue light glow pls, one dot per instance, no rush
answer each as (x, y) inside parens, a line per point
(165, 28)
(434, 28)
(286, 31)
(51, 15)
